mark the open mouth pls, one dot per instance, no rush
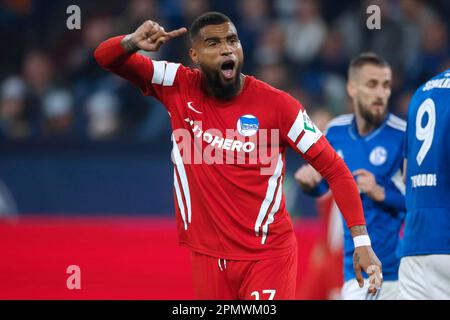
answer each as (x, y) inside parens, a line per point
(227, 69)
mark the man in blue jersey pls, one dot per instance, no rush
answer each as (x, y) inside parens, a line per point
(425, 264)
(371, 144)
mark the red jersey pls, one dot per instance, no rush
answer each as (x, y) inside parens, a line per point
(229, 157)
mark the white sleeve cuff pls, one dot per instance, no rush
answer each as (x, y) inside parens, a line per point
(360, 241)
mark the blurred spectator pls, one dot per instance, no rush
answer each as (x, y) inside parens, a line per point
(187, 11)
(270, 45)
(435, 50)
(142, 118)
(274, 74)
(324, 76)
(14, 120)
(330, 90)
(85, 75)
(81, 64)
(191, 9)
(46, 102)
(136, 13)
(334, 93)
(57, 109)
(386, 43)
(38, 72)
(416, 15)
(253, 19)
(305, 33)
(331, 57)
(285, 9)
(102, 111)
(352, 23)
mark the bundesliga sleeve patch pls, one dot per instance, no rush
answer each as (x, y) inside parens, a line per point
(311, 134)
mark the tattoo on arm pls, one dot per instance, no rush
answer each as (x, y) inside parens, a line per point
(129, 44)
(356, 258)
(358, 230)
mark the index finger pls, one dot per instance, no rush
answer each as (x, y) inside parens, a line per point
(175, 33)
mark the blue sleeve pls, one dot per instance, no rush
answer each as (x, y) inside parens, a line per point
(394, 199)
(318, 191)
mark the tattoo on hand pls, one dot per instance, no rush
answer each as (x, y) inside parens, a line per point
(129, 44)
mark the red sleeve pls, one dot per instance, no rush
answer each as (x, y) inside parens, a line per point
(333, 169)
(160, 79)
(135, 67)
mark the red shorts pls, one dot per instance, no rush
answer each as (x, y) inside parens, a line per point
(266, 279)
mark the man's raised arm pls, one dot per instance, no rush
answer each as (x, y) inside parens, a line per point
(118, 54)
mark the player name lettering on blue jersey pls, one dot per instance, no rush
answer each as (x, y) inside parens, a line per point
(424, 180)
(443, 83)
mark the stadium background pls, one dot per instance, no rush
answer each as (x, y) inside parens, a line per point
(85, 172)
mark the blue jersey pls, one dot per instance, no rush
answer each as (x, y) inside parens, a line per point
(427, 225)
(381, 153)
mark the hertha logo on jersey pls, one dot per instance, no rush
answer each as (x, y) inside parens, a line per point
(247, 125)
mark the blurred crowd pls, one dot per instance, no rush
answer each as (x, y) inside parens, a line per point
(52, 89)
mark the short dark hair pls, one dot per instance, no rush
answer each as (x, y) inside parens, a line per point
(207, 19)
(366, 58)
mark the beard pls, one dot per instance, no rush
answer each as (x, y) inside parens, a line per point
(217, 87)
(372, 117)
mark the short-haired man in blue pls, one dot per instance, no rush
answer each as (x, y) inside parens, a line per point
(371, 144)
(425, 264)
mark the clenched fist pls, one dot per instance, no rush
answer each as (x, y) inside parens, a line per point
(367, 184)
